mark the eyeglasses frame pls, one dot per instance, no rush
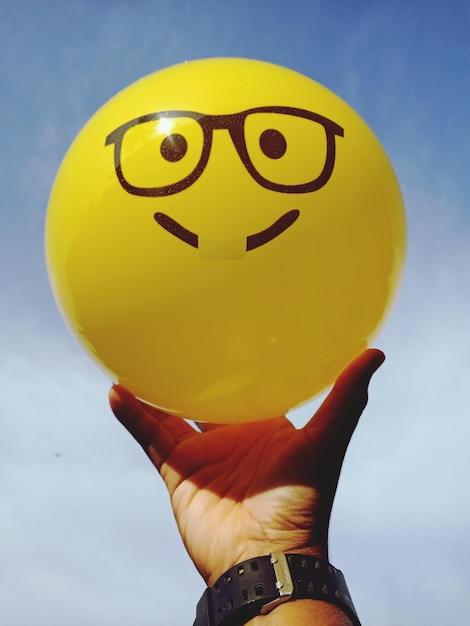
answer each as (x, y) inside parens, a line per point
(234, 123)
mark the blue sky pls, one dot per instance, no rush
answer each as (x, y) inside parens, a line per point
(87, 535)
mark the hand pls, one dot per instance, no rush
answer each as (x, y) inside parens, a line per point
(241, 491)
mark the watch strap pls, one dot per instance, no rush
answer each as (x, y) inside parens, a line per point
(257, 586)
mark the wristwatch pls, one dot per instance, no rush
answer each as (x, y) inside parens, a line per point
(257, 586)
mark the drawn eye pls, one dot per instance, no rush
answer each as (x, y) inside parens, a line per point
(173, 148)
(273, 143)
(286, 150)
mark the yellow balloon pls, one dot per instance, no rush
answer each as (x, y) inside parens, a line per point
(223, 237)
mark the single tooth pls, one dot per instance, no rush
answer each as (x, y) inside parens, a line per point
(218, 249)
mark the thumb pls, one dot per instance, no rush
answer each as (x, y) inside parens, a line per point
(335, 421)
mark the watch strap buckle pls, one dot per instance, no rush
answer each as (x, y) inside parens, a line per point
(284, 582)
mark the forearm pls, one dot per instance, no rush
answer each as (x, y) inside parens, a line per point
(303, 613)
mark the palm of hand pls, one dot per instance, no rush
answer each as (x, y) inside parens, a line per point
(245, 490)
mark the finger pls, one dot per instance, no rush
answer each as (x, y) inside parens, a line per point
(157, 432)
(178, 426)
(337, 418)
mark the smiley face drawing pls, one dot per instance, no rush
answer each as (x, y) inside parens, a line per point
(173, 147)
(223, 237)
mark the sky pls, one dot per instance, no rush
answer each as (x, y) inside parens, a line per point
(87, 534)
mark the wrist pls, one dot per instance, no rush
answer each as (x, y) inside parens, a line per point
(303, 613)
(278, 589)
(320, 551)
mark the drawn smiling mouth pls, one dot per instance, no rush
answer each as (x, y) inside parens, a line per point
(235, 248)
